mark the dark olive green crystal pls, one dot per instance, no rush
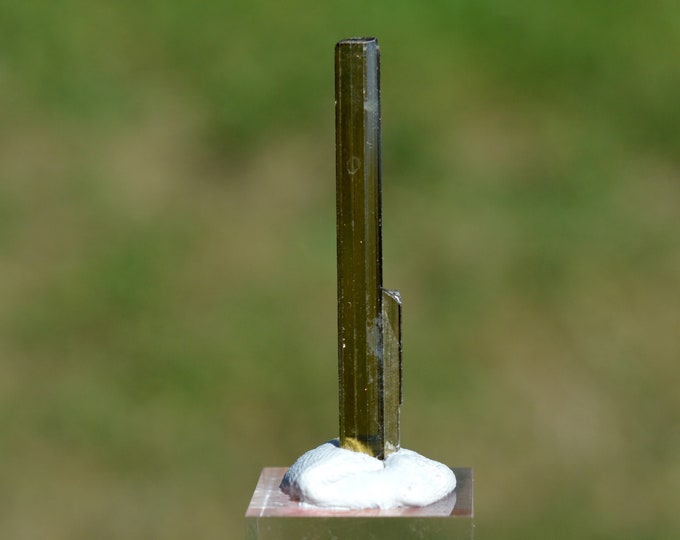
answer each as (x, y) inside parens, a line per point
(369, 333)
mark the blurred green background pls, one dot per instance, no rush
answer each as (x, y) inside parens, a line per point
(167, 257)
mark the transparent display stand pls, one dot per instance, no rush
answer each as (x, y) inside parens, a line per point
(272, 515)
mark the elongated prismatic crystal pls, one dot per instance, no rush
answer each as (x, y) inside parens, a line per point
(369, 317)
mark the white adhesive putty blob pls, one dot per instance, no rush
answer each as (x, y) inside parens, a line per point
(332, 477)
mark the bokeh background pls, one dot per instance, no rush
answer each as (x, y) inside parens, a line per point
(167, 257)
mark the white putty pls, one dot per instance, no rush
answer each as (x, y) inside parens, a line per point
(333, 477)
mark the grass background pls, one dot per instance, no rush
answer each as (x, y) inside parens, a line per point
(167, 257)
